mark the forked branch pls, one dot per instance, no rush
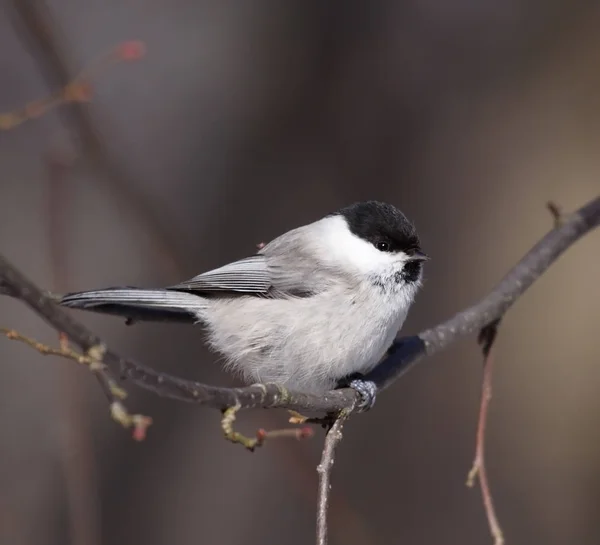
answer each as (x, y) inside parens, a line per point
(403, 354)
(483, 316)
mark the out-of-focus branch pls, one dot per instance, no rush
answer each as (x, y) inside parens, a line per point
(403, 354)
(39, 31)
(78, 89)
(334, 436)
(75, 91)
(77, 458)
(46, 44)
(484, 315)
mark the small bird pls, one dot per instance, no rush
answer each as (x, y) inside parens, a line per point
(314, 309)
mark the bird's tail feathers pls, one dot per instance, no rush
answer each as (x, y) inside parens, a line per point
(139, 304)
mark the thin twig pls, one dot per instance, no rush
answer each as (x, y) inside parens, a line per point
(43, 36)
(291, 433)
(90, 362)
(478, 470)
(93, 360)
(251, 443)
(555, 212)
(45, 39)
(332, 439)
(402, 356)
(406, 352)
(78, 90)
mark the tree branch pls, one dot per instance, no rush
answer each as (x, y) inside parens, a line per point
(334, 436)
(487, 336)
(403, 354)
(41, 34)
(408, 351)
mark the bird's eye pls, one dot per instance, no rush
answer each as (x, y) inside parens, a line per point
(382, 246)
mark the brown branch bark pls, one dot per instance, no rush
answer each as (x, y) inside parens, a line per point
(403, 354)
(484, 315)
(478, 471)
(333, 438)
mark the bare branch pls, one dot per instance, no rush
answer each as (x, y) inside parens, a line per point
(403, 354)
(76, 90)
(555, 212)
(93, 360)
(478, 470)
(408, 351)
(44, 38)
(334, 436)
(6, 290)
(251, 443)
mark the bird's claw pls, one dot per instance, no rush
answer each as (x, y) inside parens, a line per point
(367, 390)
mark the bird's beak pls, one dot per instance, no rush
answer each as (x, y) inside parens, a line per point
(419, 256)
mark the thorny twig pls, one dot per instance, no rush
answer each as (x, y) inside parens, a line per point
(487, 336)
(332, 439)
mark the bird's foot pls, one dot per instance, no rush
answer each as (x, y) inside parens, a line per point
(366, 389)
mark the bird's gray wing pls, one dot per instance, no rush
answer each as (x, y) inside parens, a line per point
(297, 265)
(249, 275)
(287, 266)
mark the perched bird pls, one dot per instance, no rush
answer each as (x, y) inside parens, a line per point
(315, 308)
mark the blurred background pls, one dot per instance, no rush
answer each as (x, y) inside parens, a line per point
(245, 119)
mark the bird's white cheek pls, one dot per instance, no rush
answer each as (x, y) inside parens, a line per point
(339, 245)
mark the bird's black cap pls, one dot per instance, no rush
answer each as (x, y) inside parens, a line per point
(379, 222)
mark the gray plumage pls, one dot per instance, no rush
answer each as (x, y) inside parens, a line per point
(315, 305)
